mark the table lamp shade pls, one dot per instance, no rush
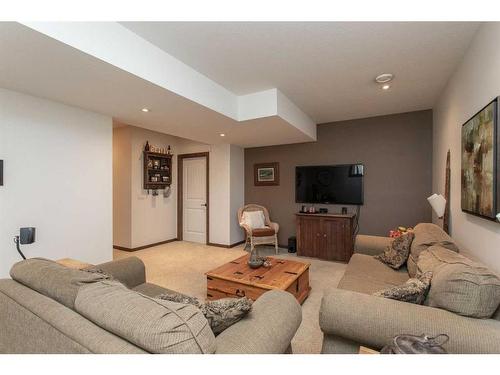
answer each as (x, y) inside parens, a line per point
(438, 204)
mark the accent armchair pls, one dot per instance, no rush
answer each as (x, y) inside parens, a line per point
(266, 234)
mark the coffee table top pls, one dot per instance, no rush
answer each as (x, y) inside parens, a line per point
(280, 275)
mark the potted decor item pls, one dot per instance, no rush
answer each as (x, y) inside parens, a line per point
(255, 260)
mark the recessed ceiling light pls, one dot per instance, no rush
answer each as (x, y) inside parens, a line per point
(386, 87)
(222, 134)
(145, 110)
(384, 78)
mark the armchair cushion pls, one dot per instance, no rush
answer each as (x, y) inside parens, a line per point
(263, 232)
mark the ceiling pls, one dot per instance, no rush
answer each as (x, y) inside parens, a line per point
(42, 66)
(326, 68)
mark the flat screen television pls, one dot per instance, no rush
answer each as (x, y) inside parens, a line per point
(330, 184)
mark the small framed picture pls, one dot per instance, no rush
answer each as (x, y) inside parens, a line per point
(266, 174)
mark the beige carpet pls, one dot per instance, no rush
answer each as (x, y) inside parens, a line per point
(181, 266)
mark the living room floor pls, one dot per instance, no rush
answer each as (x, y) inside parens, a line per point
(181, 266)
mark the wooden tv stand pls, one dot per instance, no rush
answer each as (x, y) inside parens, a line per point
(325, 236)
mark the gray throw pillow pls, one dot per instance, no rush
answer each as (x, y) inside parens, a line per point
(221, 314)
(413, 291)
(397, 252)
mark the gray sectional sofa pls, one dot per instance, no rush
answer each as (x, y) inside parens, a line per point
(351, 316)
(41, 312)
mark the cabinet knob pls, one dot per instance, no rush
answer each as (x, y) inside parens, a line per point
(324, 235)
(317, 234)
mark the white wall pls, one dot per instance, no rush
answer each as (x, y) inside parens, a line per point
(57, 178)
(146, 219)
(219, 195)
(473, 85)
(122, 187)
(237, 194)
(141, 218)
(154, 218)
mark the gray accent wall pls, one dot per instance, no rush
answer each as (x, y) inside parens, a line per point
(396, 151)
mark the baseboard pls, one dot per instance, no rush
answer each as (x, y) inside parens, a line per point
(226, 246)
(143, 247)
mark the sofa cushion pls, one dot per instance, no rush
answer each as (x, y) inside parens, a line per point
(411, 265)
(397, 252)
(428, 234)
(52, 279)
(154, 325)
(459, 284)
(465, 290)
(436, 256)
(365, 274)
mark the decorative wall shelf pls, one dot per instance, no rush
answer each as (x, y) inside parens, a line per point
(157, 170)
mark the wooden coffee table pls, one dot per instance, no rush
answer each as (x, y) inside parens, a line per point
(237, 279)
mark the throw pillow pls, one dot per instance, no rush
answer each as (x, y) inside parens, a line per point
(254, 219)
(180, 298)
(397, 252)
(413, 291)
(221, 314)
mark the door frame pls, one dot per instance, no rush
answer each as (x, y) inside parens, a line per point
(180, 191)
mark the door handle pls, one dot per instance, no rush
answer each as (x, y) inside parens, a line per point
(204, 204)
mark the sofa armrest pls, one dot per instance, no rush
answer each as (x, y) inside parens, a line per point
(374, 321)
(130, 271)
(267, 329)
(371, 245)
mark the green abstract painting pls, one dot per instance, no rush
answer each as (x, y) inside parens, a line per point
(478, 163)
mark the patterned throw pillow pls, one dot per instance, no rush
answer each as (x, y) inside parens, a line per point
(398, 251)
(180, 298)
(224, 312)
(413, 291)
(220, 314)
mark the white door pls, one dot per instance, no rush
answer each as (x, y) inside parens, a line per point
(194, 200)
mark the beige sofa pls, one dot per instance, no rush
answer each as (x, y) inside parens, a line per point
(45, 320)
(350, 316)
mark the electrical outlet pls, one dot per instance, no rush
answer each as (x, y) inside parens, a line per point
(27, 236)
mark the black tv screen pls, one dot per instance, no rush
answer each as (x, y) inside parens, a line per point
(331, 184)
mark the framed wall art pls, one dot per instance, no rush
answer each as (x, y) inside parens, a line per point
(480, 163)
(266, 174)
